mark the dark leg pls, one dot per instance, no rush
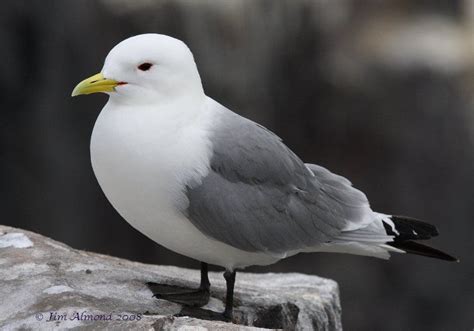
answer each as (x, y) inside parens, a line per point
(208, 314)
(229, 299)
(205, 284)
(185, 296)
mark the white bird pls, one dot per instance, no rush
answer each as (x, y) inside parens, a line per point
(209, 184)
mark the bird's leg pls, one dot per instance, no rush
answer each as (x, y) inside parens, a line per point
(209, 314)
(205, 284)
(185, 296)
(229, 299)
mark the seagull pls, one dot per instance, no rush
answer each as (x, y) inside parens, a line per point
(207, 183)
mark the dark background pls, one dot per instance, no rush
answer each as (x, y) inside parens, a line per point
(381, 92)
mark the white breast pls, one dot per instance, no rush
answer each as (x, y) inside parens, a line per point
(143, 158)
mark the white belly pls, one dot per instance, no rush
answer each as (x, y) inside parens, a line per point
(142, 162)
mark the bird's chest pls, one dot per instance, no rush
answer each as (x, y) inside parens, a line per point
(143, 163)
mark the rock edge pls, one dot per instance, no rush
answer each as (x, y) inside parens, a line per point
(49, 285)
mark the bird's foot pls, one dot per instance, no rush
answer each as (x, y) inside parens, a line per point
(182, 295)
(227, 315)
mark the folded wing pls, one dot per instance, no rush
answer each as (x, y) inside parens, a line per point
(260, 197)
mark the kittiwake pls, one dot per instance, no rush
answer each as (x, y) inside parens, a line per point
(209, 184)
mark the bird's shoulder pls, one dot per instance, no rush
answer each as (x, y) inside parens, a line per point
(246, 151)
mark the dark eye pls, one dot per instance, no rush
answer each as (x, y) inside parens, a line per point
(145, 66)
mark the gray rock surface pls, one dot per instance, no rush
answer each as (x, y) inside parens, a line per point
(45, 284)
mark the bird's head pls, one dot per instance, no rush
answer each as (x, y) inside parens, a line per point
(145, 68)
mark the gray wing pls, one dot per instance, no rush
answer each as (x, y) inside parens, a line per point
(260, 197)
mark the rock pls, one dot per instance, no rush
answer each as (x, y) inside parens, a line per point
(46, 284)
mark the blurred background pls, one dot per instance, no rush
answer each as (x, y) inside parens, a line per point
(381, 92)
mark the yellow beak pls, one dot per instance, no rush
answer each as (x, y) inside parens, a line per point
(94, 84)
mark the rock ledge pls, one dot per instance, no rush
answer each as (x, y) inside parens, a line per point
(48, 285)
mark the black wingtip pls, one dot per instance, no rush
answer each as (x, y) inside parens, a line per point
(411, 228)
(412, 247)
(408, 229)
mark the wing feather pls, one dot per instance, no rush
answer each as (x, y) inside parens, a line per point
(259, 196)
